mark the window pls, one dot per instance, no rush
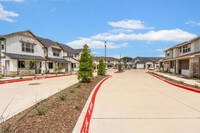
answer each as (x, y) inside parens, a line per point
(56, 52)
(180, 50)
(69, 54)
(186, 48)
(27, 47)
(168, 53)
(108, 61)
(21, 64)
(2, 44)
(50, 65)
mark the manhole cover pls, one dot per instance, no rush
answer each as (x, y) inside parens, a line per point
(34, 83)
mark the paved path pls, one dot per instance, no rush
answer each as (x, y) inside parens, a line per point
(175, 77)
(135, 102)
(26, 95)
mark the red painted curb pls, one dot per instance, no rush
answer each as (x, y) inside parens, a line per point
(120, 72)
(86, 122)
(177, 85)
(14, 81)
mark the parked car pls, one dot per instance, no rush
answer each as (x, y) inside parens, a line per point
(151, 68)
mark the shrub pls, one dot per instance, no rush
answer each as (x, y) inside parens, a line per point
(40, 110)
(62, 97)
(86, 67)
(181, 82)
(101, 68)
(78, 85)
(20, 77)
(2, 75)
(120, 67)
(71, 90)
(13, 76)
(59, 69)
(196, 86)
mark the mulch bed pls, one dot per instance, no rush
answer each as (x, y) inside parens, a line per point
(177, 82)
(59, 116)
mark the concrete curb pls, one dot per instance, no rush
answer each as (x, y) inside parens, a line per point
(32, 79)
(177, 85)
(79, 123)
(120, 72)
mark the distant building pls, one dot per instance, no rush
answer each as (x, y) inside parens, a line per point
(146, 62)
(111, 62)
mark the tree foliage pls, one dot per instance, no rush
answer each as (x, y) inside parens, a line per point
(119, 67)
(86, 67)
(126, 59)
(101, 67)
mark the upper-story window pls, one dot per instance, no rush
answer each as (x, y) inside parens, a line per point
(26, 47)
(56, 52)
(69, 54)
(168, 53)
(2, 44)
(186, 48)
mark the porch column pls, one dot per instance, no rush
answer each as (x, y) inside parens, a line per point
(190, 67)
(177, 67)
(168, 67)
(69, 67)
(54, 67)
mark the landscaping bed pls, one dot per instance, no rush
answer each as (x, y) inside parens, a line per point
(175, 81)
(58, 113)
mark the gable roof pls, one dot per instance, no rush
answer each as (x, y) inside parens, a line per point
(65, 48)
(143, 60)
(107, 58)
(20, 32)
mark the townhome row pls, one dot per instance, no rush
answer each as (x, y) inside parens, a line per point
(111, 62)
(23, 53)
(183, 58)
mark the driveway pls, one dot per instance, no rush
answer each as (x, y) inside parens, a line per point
(136, 102)
(27, 93)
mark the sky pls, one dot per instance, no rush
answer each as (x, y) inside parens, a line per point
(130, 27)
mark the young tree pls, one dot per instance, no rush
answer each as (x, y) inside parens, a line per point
(101, 67)
(119, 67)
(86, 67)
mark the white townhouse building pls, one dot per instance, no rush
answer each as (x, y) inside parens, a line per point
(19, 50)
(111, 62)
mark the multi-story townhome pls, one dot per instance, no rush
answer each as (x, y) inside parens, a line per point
(111, 62)
(146, 62)
(183, 59)
(19, 47)
(23, 53)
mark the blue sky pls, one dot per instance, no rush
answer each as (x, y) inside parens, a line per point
(130, 27)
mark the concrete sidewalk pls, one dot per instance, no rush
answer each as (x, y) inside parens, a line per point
(187, 81)
(136, 102)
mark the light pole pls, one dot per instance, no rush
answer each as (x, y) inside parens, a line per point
(105, 54)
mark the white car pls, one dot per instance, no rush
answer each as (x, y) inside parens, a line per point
(151, 68)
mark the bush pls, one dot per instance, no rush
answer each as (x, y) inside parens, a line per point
(196, 86)
(72, 90)
(120, 67)
(40, 110)
(13, 76)
(86, 67)
(101, 68)
(78, 86)
(59, 69)
(20, 77)
(62, 97)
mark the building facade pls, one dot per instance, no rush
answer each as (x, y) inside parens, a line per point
(146, 62)
(23, 53)
(183, 59)
(111, 62)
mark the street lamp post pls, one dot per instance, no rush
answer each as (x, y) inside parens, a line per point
(105, 54)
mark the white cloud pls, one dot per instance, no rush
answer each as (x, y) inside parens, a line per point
(193, 23)
(159, 50)
(129, 24)
(174, 35)
(94, 44)
(116, 56)
(95, 53)
(4, 15)
(53, 9)
(13, 0)
(161, 55)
